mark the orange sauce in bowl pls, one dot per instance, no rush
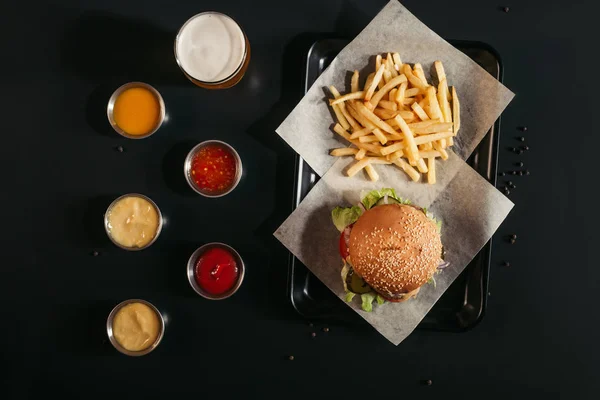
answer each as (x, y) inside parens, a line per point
(137, 111)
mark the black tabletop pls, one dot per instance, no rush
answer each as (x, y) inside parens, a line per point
(62, 168)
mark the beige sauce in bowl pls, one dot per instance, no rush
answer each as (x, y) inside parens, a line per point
(136, 327)
(133, 222)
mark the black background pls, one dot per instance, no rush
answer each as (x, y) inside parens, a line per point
(60, 62)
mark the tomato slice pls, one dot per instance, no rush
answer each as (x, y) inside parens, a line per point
(344, 239)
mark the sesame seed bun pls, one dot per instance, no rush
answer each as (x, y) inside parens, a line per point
(395, 249)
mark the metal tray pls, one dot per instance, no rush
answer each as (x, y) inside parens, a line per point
(463, 305)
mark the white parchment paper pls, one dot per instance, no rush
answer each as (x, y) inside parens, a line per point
(470, 208)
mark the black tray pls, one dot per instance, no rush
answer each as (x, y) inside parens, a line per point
(463, 305)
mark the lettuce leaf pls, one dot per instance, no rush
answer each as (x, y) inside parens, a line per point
(371, 198)
(342, 217)
(432, 280)
(349, 296)
(344, 273)
(367, 301)
(438, 223)
(380, 300)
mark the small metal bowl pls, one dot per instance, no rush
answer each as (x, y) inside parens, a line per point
(158, 229)
(111, 105)
(191, 270)
(187, 168)
(113, 340)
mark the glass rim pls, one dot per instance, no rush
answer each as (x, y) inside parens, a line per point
(238, 68)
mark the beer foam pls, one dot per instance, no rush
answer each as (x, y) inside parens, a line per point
(210, 47)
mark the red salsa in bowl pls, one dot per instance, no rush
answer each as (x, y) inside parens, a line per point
(213, 168)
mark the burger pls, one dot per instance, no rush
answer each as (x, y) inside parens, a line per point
(389, 247)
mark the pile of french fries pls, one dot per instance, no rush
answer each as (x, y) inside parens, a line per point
(398, 118)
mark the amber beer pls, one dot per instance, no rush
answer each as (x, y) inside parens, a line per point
(212, 50)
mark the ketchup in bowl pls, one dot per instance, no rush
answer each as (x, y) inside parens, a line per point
(216, 271)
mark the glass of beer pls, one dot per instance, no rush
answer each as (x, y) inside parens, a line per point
(212, 50)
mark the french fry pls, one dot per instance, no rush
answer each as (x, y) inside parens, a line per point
(443, 100)
(401, 93)
(379, 135)
(376, 80)
(443, 143)
(379, 160)
(439, 70)
(374, 118)
(364, 162)
(353, 110)
(342, 107)
(374, 138)
(420, 73)
(424, 147)
(423, 124)
(357, 166)
(340, 117)
(378, 63)
(412, 78)
(406, 115)
(431, 138)
(360, 154)
(346, 97)
(354, 82)
(368, 147)
(429, 154)
(390, 66)
(394, 155)
(353, 123)
(337, 109)
(392, 95)
(386, 88)
(345, 151)
(410, 171)
(411, 149)
(440, 149)
(397, 61)
(441, 74)
(450, 141)
(455, 111)
(369, 80)
(372, 173)
(387, 76)
(368, 139)
(408, 101)
(337, 128)
(384, 114)
(392, 148)
(422, 166)
(434, 107)
(388, 105)
(431, 172)
(432, 128)
(392, 122)
(412, 92)
(361, 132)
